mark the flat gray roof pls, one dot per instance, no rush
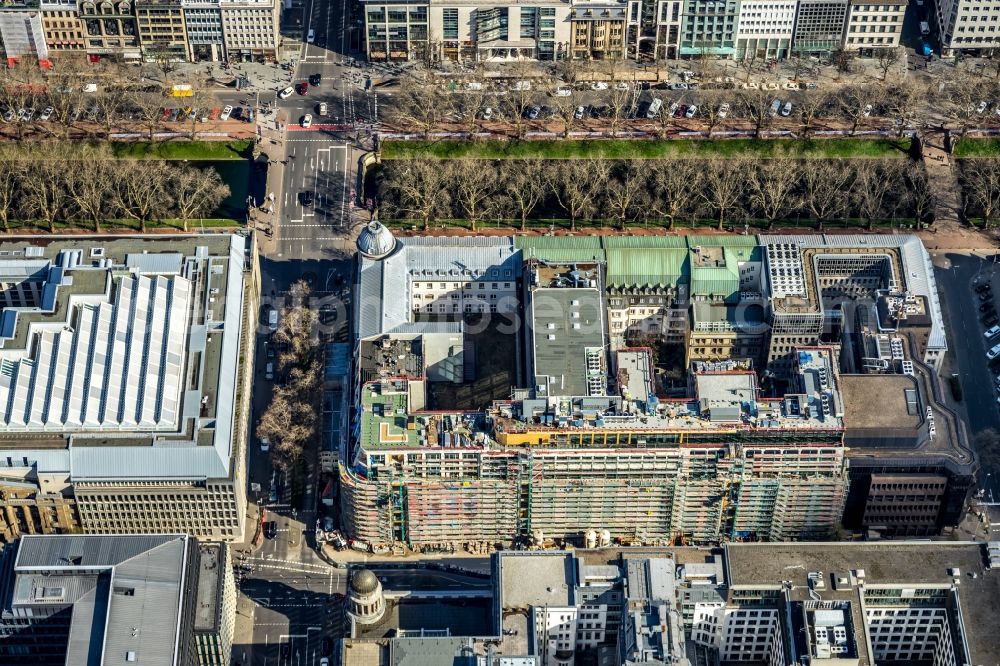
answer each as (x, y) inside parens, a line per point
(565, 322)
(536, 579)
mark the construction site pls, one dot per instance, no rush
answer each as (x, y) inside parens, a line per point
(580, 449)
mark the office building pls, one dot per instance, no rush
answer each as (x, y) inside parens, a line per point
(819, 26)
(765, 29)
(162, 31)
(966, 27)
(774, 437)
(116, 599)
(203, 20)
(124, 394)
(21, 32)
(250, 29)
(870, 27)
(63, 27)
(709, 28)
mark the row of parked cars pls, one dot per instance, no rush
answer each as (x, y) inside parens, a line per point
(228, 112)
(27, 114)
(992, 333)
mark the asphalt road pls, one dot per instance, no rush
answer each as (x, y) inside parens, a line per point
(966, 335)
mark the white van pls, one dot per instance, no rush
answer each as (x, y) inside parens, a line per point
(265, 445)
(654, 108)
(269, 371)
(993, 353)
(925, 29)
(272, 319)
(992, 333)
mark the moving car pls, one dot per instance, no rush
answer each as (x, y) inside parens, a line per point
(307, 120)
(315, 79)
(286, 93)
(226, 112)
(303, 87)
(311, 37)
(271, 529)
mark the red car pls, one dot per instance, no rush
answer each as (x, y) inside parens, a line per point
(303, 88)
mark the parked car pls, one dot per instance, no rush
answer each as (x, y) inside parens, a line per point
(226, 112)
(562, 92)
(303, 87)
(786, 110)
(8, 115)
(306, 197)
(578, 114)
(271, 530)
(723, 110)
(531, 113)
(237, 113)
(692, 111)
(487, 113)
(982, 107)
(987, 307)
(980, 288)
(307, 121)
(323, 109)
(985, 296)
(621, 85)
(46, 114)
(991, 332)
(867, 111)
(599, 85)
(681, 110)
(521, 86)
(990, 319)
(672, 111)
(286, 93)
(775, 107)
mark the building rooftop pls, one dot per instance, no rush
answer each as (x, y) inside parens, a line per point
(884, 565)
(74, 366)
(535, 579)
(568, 346)
(126, 592)
(211, 562)
(897, 397)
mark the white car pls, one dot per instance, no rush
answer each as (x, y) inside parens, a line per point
(786, 110)
(723, 110)
(226, 112)
(323, 109)
(475, 85)
(673, 109)
(598, 85)
(487, 113)
(562, 92)
(991, 332)
(307, 120)
(578, 114)
(993, 353)
(46, 114)
(311, 37)
(868, 110)
(521, 86)
(286, 93)
(692, 111)
(90, 87)
(621, 85)
(982, 107)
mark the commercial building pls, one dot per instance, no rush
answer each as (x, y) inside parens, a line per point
(116, 599)
(874, 26)
(819, 26)
(250, 29)
(780, 604)
(162, 31)
(966, 26)
(111, 29)
(21, 31)
(63, 28)
(709, 28)
(203, 19)
(124, 394)
(773, 439)
(765, 29)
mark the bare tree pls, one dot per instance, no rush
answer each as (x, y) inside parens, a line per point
(722, 190)
(871, 185)
(771, 187)
(886, 59)
(88, 181)
(196, 193)
(749, 63)
(149, 110)
(621, 99)
(843, 60)
(756, 105)
(421, 103)
(675, 186)
(45, 191)
(904, 100)
(812, 104)
(981, 186)
(516, 100)
(624, 190)
(110, 104)
(575, 185)
(858, 101)
(12, 174)
(473, 185)
(524, 186)
(565, 108)
(920, 196)
(824, 185)
(959, 101)
(139, 193)
(423, 189)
